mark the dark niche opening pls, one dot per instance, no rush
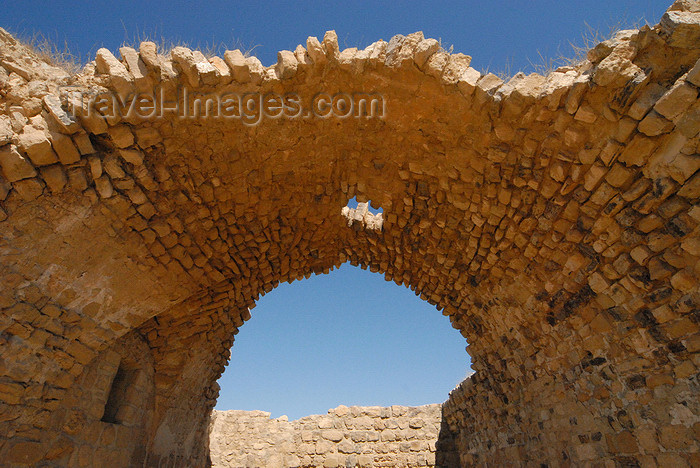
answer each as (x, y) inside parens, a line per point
(117, 400)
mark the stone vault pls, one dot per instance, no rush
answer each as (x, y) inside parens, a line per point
(553, 218)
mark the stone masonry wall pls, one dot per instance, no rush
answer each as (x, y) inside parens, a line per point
(373, 436)
(554, 219)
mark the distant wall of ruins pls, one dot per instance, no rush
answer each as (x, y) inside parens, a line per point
(396, 436)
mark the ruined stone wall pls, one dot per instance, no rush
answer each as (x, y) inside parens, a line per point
(554, 219)
(396, 436)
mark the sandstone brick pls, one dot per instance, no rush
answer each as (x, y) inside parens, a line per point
(676, 100)
(29, 189)
(55, 177)
(121, 136)
(15, 166)
(455, 69)
(681, 28)
(60, 117)
(120, 77)
(654, 124)
(424, 50)
(36, 145)
(65, 149)
(287, 64)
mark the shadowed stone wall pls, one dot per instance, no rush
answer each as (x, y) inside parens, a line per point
(554, 219)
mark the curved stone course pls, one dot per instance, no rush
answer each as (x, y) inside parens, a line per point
(554, 219)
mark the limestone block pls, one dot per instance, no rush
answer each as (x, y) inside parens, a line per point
(347, 59)
(455, 69)
(223, 69)
(256, 71)
(15, 166)
(195, 66)
(148, 52)
(555, 87)
(208, 73)
(376, 52)
(488, 84)
(6, 132)
(655, 124)
(29, 189)
(400, 51)
(236, 62)
(65, 149)
(424, 50)
(302, 56)
(35, 143)
(120, 78)
(121, 136)
(617, 67)
(132, 156)
(316, 51)
(60, 117)
(467, 82)
(682, 28)
(137, 68)
(694, 75)
(330, 45)
(287, 64)
(55, 177)
(436, 64)
(677, 100)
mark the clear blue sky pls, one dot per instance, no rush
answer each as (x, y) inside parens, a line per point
(495, 33)
(349, 337)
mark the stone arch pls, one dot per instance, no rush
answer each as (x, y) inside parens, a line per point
(553, 219)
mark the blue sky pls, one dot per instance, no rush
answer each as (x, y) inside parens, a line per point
(498, 34)
(348, 337)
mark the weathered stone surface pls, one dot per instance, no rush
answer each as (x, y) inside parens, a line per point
(315, 50)
(287, 64)
(137, 68)
(223, 70)
(35, 143)
(330, 45)
(15, 166)
(424, 50)
(682, 28)
(393, 436)
(119, 76)
(677, 100)
(53, 105)
(456, 68)
(55, 177)
(553, 219)
(195, 66)
(65, 149)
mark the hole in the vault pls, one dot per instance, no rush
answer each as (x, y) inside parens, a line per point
(345, 338)
(117, 399)
(352, 203)
(362, 215)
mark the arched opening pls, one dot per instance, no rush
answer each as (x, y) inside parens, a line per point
(348, 337)
(344, 365)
